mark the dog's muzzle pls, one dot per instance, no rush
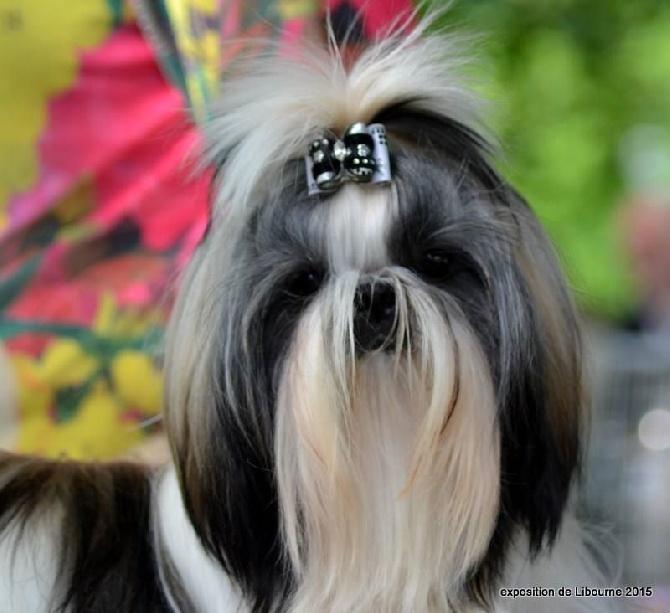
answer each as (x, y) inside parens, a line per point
(375, 317)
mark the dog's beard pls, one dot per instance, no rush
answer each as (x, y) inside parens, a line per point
(388, 462)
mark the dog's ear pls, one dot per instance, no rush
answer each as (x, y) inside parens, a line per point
(546, 416)
(219, 419)
(542, 408)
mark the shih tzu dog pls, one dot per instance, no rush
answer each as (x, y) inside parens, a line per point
(373, 377)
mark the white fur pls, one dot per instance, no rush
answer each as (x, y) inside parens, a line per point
(207, 585)
(267, 116)
(394, 471)
(29, 565)
(28, 573)
(358, 224)
(568, 564)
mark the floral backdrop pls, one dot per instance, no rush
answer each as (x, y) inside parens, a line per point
(100, 200)
(100, 203)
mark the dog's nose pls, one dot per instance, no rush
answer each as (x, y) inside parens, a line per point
(375, 318)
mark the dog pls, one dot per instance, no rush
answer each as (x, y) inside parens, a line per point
(374, 393)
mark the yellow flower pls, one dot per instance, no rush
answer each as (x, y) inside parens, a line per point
(98, 428)
(111, 321)
(35, 399)
(65, 363)
(97, 431)
(137, 381)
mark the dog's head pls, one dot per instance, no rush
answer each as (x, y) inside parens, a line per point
(370, 392)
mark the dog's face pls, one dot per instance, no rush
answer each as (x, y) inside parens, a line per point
(371, 393)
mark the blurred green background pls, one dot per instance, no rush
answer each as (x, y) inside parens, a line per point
(569, 80)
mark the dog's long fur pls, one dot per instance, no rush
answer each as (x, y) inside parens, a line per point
(308, 474)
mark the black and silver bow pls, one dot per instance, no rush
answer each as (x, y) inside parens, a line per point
(360, 156)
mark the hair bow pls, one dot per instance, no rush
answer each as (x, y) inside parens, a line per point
(360, 156)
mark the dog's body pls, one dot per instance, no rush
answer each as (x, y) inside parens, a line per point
(127, 545)
(373, 397)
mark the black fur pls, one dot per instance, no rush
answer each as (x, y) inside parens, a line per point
(106, 559)
(274, 250)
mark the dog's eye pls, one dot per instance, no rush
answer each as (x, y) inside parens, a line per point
(436, 265)
(304, 283)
